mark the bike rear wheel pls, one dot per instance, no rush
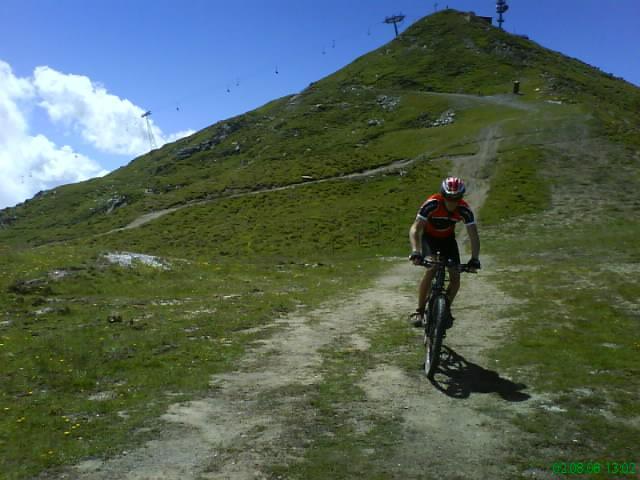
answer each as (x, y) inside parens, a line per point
(433, 338)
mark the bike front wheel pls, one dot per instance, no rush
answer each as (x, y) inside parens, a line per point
(433, 338)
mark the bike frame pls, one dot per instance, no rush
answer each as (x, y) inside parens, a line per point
(433, 327)
(438, 282)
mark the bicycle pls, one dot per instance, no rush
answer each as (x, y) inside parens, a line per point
(437, 315)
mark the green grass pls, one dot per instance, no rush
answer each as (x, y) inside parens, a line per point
(517, 186)
(357, 218)
(577, 330)
(173, 330)
(573, 270)
(178, 328)
(239, 263)
(569, 255)
(182, 325)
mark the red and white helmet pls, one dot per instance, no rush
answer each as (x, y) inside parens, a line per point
(452, 187)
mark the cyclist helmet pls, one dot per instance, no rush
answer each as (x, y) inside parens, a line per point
(453, 188)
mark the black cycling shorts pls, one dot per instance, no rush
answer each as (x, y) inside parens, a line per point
(446, 246)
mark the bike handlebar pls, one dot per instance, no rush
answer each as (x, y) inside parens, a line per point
(460, 267)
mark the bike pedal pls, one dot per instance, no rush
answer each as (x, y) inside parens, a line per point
(416, 320)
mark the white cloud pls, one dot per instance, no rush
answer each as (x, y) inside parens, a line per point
(106, 121)
(31, 163)
(178, 135)
(42, 165)
(12, 91)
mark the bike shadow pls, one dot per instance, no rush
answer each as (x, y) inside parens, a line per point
(464, 378)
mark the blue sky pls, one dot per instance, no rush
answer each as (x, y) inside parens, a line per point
(75, 75)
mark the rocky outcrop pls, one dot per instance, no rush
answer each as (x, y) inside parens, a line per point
(129, 259)
(6, 220)
(388, 103)
(115, 202)
(446, 118)
(375, 122)
(221, 134)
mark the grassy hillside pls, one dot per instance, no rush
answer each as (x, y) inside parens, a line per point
(368, 114)
(93, 352)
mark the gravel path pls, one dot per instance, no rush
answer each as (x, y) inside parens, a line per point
(234, 434)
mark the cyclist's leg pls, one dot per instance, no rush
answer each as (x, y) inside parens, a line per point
(454, 285)
(425, 288)
(452, 252)
(429, 246)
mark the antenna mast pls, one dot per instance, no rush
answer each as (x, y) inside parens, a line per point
(152, 141)
(501, 7)
(395, 19)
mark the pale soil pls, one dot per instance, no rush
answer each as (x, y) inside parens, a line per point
(253, 419)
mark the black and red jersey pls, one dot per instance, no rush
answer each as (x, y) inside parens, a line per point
(440, 222)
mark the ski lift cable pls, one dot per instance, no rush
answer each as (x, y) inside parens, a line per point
(224, 85)
(221, 84)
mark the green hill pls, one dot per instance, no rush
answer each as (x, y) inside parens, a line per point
(371, 113)
(294, 203)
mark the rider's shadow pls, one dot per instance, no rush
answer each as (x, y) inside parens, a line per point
(464, 378)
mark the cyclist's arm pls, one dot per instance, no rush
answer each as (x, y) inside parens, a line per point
(415, 234)
(472, 231)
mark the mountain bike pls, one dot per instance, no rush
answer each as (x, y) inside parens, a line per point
(437, 316)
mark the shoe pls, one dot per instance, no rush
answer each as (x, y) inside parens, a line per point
(449, 322)
(416, 319)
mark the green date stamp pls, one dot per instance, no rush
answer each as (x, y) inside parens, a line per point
(606, 468)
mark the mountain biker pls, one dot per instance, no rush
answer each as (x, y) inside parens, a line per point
(434, 230)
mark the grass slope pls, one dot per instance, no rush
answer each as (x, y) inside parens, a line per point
(326, 129)
(76, 384)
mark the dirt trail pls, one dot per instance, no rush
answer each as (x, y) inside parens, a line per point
(148, 217)
(473, 169)
(201, 433)
(234, 433)
(507, 100)
(246, 425)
